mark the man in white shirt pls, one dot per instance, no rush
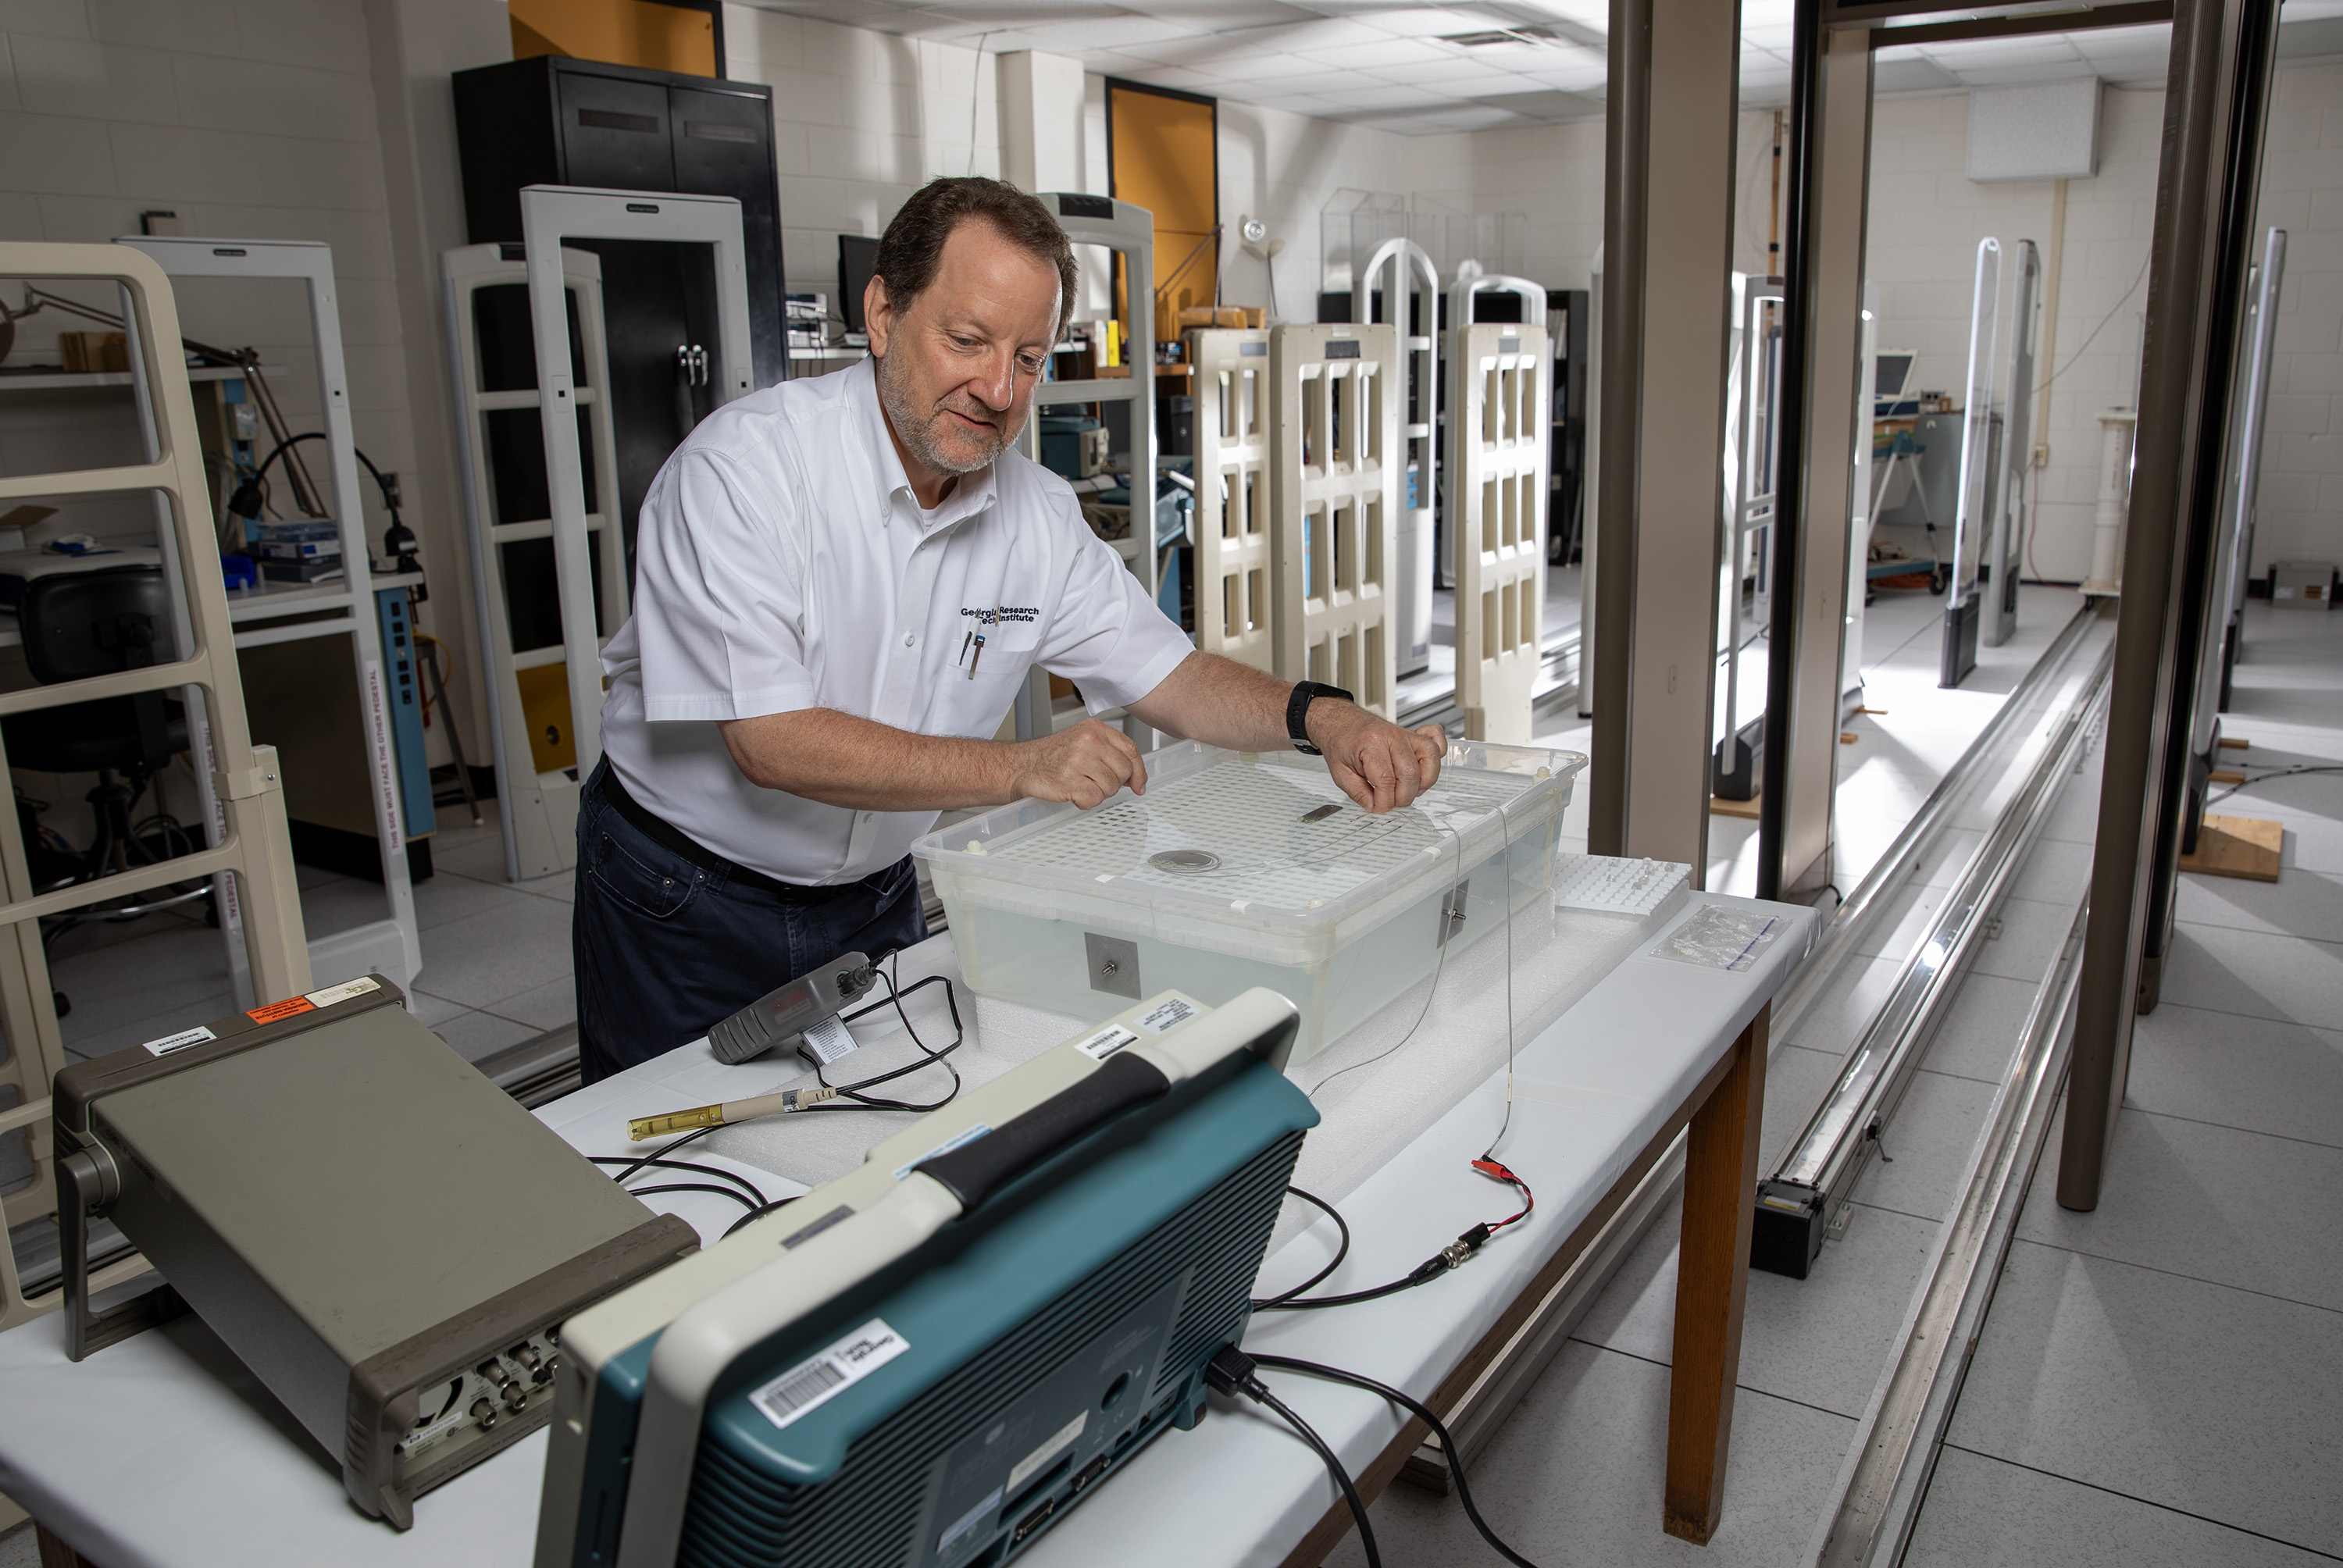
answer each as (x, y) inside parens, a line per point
(841, 583)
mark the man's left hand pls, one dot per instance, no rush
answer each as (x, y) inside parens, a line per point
(1377, 763)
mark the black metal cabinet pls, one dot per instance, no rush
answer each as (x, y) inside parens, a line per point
(1570, 321)
(552, 121)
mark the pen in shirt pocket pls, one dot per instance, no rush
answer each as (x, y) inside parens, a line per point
(977, 658)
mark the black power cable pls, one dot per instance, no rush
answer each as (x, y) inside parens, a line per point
(1423, 1413)
(731, 1193)
(1231, 1371)
(754, 1195)
(1451, 1256)
(1341, 1251)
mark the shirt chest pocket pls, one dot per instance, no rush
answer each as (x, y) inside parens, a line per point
(1014, 635)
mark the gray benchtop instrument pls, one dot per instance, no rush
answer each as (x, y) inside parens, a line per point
(385, 1238)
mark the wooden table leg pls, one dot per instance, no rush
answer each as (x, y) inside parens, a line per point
(1711, 1283)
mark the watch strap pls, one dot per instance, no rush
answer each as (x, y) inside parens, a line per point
(1297, 711)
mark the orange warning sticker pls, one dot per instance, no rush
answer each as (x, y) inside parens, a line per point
(288, 1008)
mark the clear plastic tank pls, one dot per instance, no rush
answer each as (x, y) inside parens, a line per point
(1237, 869)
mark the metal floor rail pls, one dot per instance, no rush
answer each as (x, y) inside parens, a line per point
(1811, 1184)
(1895, 1453)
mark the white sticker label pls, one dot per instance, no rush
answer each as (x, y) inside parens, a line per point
(811, 1384)
(181, 1040)
(343, 992)
(969, 1520)
(829, 1040)
(1051, 1448)
(1170, 1015)
(1106, 1043)
(956, 1140)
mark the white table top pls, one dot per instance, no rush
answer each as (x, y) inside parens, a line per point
(163, 1451)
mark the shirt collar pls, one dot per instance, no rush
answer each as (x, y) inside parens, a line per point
(971, 496)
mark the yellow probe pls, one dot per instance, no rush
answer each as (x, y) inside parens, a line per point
(730, 1111)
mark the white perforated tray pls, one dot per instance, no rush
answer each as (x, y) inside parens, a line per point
(1236, 869)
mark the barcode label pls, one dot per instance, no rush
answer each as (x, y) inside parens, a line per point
(828, 1040)
(1106, 1043)
(180, 1041)
(814, 1382)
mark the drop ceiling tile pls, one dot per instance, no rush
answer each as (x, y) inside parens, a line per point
(1227, 15)
(1174, 76)
(1466, 71)
(1384, 52)
(1424, 23)
(1385, 95)
(1471, 117)
(2044, 49)
(1569, 77)
(1324, 33)
(1910, 73)
(1547, 105)
(1249, 66)
(1594, 14)
(1317, 79)
(1293, 104)
(1073, 37)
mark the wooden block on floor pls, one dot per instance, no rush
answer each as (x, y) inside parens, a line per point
(2236, 846)
(1724, 808)
(2226, 776)
(2236, 745)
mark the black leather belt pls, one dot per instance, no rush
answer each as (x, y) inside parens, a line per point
(673, 840)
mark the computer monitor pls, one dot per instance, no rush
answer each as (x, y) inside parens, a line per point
(1892, 371)
(856, 255)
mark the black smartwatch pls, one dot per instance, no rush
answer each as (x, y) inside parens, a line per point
(1297, 708)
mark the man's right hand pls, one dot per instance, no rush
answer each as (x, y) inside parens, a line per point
(1085, 765)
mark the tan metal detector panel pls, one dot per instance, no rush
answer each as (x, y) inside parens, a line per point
(1335, 484)
(1232, 493)
(1500, 405)
(529, 710)
(256, 851)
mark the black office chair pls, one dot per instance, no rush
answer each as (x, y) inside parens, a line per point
(77, 625)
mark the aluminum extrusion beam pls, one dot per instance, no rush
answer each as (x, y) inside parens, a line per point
(1814, 503)
(1668, 234)
(1819, 1170)
(2216, 105)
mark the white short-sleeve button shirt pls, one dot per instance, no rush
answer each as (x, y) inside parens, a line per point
(783, 562)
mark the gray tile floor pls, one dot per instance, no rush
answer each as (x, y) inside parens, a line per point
(2156, 1383)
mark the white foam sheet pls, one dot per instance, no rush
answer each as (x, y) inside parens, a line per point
(163, 1451)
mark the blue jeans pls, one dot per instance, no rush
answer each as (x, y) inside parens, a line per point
(664, 948)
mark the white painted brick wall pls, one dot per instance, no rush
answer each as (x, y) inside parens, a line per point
(860, 120)
(251, 119)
